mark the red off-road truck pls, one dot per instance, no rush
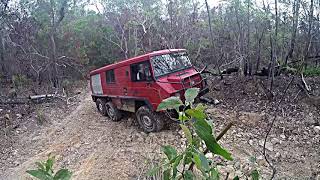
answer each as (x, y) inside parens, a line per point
(140, 84)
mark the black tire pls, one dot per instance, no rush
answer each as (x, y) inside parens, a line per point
(149, 121)
(101, 106)
(112, 111)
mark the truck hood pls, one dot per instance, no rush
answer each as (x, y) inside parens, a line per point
(180, 80)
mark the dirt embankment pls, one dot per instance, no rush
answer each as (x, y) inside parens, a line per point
(93, 147)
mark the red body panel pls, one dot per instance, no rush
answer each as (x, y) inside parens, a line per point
(152, 91)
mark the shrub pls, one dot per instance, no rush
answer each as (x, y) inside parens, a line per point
(312, 71)
(200, 140)
(19, 80)
(45, 171)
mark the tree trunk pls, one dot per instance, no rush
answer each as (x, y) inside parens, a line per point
(210, 29)
(259, 50)
(248, 59)
(296, 7)
(55, 78)
(2, 51)
(53, 46)
(308, 42)
(274, 46)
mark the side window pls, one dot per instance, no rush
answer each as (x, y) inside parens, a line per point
(110, 76)
(141, 72)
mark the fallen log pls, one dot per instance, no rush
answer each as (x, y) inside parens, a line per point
(41, 98)
(35, 97)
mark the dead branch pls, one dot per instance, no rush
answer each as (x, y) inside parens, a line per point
(304, 89)
(308, 88)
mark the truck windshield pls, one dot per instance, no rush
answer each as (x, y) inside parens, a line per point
(169, 63)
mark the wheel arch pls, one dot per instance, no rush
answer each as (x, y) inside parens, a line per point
(142, 102)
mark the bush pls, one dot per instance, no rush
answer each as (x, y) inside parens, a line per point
(19, 80)
(45, 171)
(312, 71)
(200, 140)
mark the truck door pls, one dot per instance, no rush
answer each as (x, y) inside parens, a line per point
(141, 81)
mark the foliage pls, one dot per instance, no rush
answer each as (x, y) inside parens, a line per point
(200, 140)
(19, 80)
(312, 71)
(87, 37)
(45, 171)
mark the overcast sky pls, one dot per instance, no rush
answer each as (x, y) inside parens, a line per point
(96, 4)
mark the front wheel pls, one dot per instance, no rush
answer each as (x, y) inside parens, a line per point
(148, 120)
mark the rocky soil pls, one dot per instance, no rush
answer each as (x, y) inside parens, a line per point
(93, 147)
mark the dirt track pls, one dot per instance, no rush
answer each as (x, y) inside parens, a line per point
(93, 147)
(88, 144)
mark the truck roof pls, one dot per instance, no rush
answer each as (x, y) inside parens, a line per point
(134, 60)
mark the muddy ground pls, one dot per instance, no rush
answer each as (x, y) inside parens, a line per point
(93, 147)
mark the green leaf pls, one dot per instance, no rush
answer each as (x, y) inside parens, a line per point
(153, 171)
(170, 103)
(187, 133)
(183, 117)
(204, 131)
(169, 151)
(214, 174)
(200, 107)
(175, 165)
(196, 141)
(166, 174)
(196, 113)
(188, 175)
(49, 165)
(62, 174)
(188, 157)
(204, 161)
(255, 175)
(210, 122)
(190, 94)
(40, 174)
(197, 161)
(236, 178)
(201, 162)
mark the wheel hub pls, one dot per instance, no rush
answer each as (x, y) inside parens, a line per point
(100, 107)
(147, 121)
(111, 112)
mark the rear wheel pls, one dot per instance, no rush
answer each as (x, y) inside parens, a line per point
(148, 120)
(101, 105)
(113, 112)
